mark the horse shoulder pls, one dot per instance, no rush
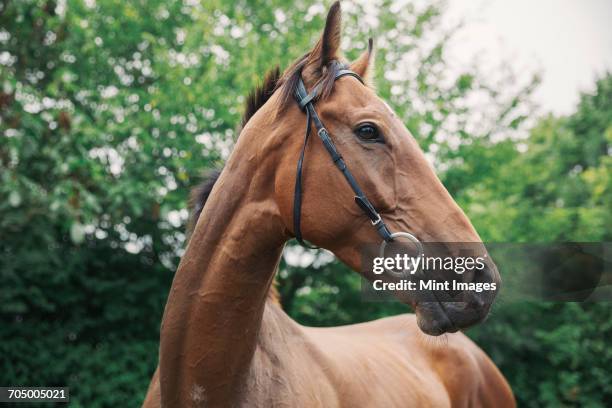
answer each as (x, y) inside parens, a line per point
(494, 390)
(287, 368)
(469, 375)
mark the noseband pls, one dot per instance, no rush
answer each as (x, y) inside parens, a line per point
(305, 101)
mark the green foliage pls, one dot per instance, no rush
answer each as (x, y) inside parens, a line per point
(110, 110)
(559, 189)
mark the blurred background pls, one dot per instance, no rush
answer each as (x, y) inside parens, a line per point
(110, 111)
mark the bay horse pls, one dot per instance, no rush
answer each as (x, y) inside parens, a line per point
(225, 340)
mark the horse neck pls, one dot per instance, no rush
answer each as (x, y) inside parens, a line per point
(214, 311)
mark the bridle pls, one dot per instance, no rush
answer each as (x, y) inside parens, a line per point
(305, 101)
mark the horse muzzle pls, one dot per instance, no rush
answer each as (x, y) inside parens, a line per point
(439, 317)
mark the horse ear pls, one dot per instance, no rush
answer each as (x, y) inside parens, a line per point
(328, 46)
(366, 60)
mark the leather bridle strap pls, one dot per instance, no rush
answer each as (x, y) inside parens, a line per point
(305, 101)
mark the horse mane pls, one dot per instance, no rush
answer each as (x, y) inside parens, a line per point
(198, 197)
(260, 95)
(254, 101)
(272, 82)
(286, 83)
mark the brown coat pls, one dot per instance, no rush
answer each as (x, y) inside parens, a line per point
(225, 344)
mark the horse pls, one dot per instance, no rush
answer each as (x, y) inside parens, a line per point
(225, 340)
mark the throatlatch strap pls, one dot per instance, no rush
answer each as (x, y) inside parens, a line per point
(305, 101)
(297, 193)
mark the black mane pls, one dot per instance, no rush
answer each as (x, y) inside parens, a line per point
(260, 95)
(255, 100)
(199, 195)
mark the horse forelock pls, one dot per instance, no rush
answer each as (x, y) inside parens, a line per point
(326, 76)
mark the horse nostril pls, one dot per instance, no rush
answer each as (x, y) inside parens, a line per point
(485, 274)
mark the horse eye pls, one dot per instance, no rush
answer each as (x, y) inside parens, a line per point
(369, 133)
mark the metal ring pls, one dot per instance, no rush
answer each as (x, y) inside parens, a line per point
(411, 238)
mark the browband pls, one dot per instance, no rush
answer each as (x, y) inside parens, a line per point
(305, 101)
